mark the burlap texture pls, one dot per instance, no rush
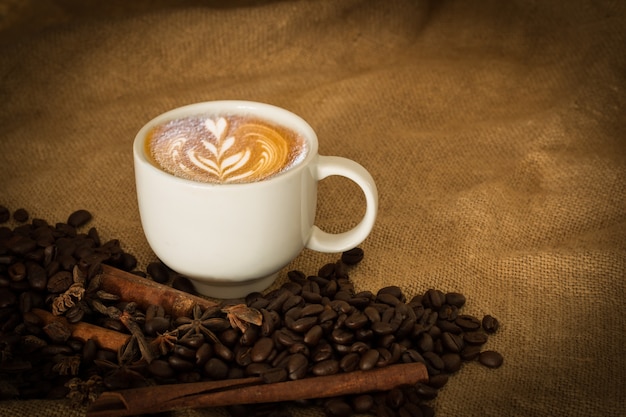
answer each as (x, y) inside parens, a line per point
(494, 130)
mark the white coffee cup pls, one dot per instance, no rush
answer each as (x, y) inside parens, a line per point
(233, 239)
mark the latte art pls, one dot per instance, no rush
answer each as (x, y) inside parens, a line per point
(224, 149)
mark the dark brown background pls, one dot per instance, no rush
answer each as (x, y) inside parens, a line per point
(494, 130)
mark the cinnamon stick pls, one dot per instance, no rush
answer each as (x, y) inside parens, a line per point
(145, 292)
(105, 338)
(251, 391)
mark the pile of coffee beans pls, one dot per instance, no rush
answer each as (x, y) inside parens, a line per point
(313, 325)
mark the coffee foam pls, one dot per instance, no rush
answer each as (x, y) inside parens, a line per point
(224, 148)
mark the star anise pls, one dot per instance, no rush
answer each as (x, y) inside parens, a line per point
(84, 392)
(202, 322)
(132, 319)
(127, 371)
(163, 343)
(67, 365)
(241, 316)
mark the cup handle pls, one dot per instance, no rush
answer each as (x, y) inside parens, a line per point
(339, 242)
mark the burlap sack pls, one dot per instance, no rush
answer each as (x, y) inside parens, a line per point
(494, 130)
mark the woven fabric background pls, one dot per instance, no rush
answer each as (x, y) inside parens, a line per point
(494, 130)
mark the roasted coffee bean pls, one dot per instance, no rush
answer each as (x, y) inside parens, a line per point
(452, 342)
(337, 407)
(291, 302)
(328, 314)
(470, 352)
(185, 352)
(369, 359)
(161, 369)
(60, 282)
(203, 354)
(223, 352)
(297, 276)
(342, 336)
(449, 326)
(327, 367)
(243, 355)
(250, 336)
(433, 360)
(277, 302)
(5, 214)
(438, 381)
(475, 338)
(79, 218)
(384, 357)
(313, 336)
(20, 215)
(468, 322)
(362, 403)
(184, 284)
(434, 299)
(297, 366)
(350, 362)
(425, 391)
(311, 310)
(452, 362)
(58, 331)
(158, 272)
(490, 324)
(262, 349)
(490, 358)
(257, 368)
(356, 320)
(273, 375)
(425, 342)
(303, 324)
(311, 297)
(36, 275)
(322, 352)
(156, 325)
(352, 256)
(179, 364)
(381, 328)
(17, 271)
(215, 368)
(230, 336)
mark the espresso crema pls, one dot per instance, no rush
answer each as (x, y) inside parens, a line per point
(224, 148)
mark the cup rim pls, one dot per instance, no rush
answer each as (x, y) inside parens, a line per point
(264, 110)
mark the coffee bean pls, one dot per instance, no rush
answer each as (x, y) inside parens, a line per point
(203, 354)
(304, 324)
(156, 325)
(451, 362)
(352, 256)
(326, 367)
(362, 403)
(490, 324)
(456, 299)
(20, 215)
(369, 359)
(490, 358)
(5, 214)
(350, 362)
(337, 407)
(179, 364)
(313, 336)
(468, 322)
(274, 375)
(470, 352)
(79, 218)
(342, 336)
(452, 342)
(434, 299)
(159, 272)
(475, 338)
(425, 391)
(161, 369)
(216, 368)
(297, 366)
(322, 352)
(262, 349)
